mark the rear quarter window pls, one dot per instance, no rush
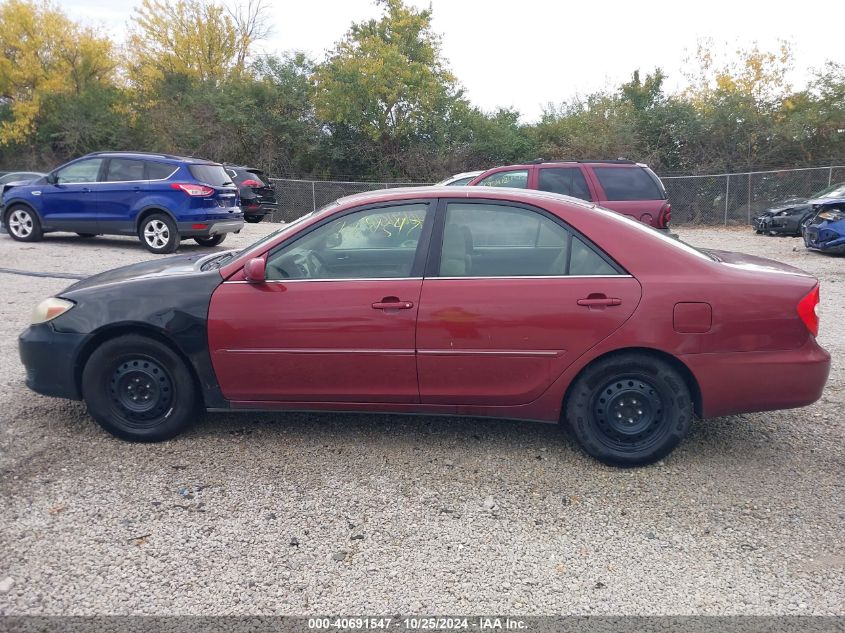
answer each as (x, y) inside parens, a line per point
(213, 175)
(159, 171)
(628, 183)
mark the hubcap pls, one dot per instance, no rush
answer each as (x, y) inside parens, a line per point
(141, 390)
(20, 223)
(156, 233)
(628, 411)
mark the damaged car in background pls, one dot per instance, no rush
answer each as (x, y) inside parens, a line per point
(786, 217)
(825, 229)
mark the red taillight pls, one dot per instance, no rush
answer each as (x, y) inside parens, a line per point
(199, 226)
(808, 310)
(192, 189)
(665, 214)
(251, 183)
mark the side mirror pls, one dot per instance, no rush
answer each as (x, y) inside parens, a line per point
(255, 271)
(51, 179)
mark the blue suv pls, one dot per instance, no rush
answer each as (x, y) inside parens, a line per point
(160, 198)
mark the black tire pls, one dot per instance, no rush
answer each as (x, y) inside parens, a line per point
(253, 219)
(629, 410)
(214, 240)
(158, 233)
(139, 389)
(87, 235)
(23, 224)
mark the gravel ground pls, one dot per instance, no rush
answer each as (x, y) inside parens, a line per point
(301, 514)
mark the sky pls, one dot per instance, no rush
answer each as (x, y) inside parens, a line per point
(528, 54)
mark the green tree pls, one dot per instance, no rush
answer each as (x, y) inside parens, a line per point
(200, 39)
(386, 82)
(45, 55)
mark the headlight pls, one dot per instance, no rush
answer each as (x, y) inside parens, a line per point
(49, 309)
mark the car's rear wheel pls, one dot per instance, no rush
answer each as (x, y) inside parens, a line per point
(214, 240)
(253, 219)
(158, 233)
(23, 224)
(629, 410)
(139, 389)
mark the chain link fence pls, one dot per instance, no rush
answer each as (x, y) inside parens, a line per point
(298, 197)
(731, 199)
(727, 199)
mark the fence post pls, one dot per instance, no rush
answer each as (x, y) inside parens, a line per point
(749, 197)
(313, 197)
(727, 195)
(829, 175)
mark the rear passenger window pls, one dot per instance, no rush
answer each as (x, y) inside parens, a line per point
(566, 180)
(515, 178)
(124, 170)
(627, 183)
(159, 171)
(487, 240)
(585, 261)
(497, 240)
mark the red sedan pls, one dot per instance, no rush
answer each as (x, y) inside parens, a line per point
(449, 301)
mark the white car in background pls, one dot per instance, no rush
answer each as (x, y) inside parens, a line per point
(459, 179)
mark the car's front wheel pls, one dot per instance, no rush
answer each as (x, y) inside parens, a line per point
(139, 389)
(629, 409)
(23, 224)
(214, 240)
(158, 233)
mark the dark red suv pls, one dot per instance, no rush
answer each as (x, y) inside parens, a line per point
(619, 185)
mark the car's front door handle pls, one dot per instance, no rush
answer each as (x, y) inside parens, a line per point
(393, 303)
(599, 301)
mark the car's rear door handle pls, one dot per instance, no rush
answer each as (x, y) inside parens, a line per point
(393, 303)
(599, 301)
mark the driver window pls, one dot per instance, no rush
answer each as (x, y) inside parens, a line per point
(369, 244)
(83, 171)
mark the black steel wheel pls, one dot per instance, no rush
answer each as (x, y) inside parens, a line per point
(629, 409)
(139, 389)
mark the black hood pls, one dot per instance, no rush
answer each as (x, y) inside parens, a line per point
(177, 266)
(798, 204)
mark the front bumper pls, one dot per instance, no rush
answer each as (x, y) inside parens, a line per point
(211, 227)
(823, 238)
(777, 224)
(49, 358)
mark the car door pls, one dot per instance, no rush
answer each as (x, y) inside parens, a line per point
(118, 194)
(335, 320)
(630, 190)
(510, 299)
(69, 203)
(569, 181)
(520, 178)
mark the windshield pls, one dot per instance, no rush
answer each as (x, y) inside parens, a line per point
(283, 229)
(834, 191)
